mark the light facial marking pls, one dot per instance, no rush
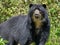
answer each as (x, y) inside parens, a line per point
(37, 21)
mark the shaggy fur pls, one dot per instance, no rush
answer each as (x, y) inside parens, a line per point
(15, 30)
(34, 27)
(40, 23)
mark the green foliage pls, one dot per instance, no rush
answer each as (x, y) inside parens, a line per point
(10, 8)
(2, 42)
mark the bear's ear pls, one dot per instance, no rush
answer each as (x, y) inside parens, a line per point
(44, 5)
(30, 5)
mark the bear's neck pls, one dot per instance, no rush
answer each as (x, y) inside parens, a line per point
(34, 29)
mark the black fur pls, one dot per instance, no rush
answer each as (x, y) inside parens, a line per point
(15, 30)
(42, 36)
(21, 29)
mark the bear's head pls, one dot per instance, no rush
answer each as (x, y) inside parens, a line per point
(38, 14)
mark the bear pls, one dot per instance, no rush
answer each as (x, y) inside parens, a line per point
(39, 23)
(25, 29)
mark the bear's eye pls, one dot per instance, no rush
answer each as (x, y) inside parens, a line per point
(41, 13)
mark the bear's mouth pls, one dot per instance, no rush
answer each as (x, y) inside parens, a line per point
(36, 16)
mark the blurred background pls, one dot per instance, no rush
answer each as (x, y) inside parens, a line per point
(9, 8)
